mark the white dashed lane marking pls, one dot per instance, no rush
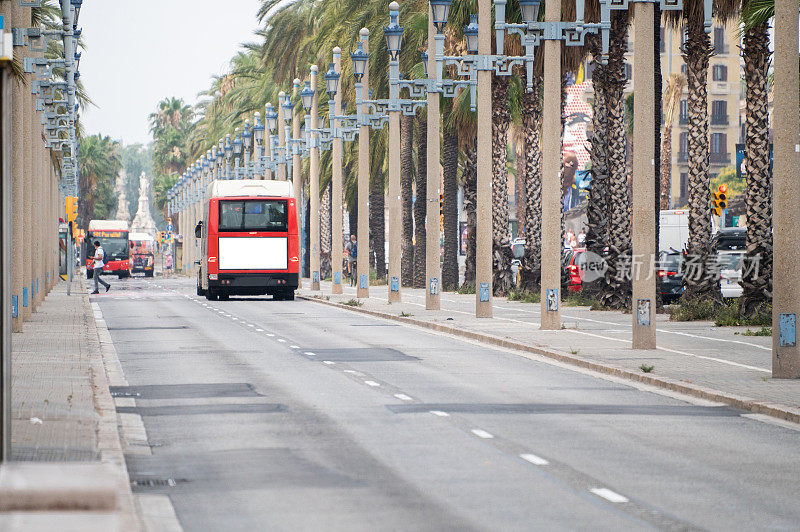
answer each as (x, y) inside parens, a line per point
(328, 362)
(403, 397)
(439, 413)
(482, 434)
(294, 346)
(309, 353)
(371, 383)
(535, 460)
(609, 495)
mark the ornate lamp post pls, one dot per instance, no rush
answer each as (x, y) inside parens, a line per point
(247, 141)
(311, 104)
(228, 154)
(237, 153)
(360, 60)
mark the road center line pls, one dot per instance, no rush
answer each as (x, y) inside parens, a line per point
(482, 434)
(535, 460)
(281, 340)
(309, 353)
(371, 383)
(439, 413)
(328, 362)
(609, 495)
(403, 397)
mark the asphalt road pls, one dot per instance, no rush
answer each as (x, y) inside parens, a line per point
(275, 415)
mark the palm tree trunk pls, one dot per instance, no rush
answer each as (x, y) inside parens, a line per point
(697, 52)
(757, 275)
(406, 198)
(597, 204)
(519, 183)
(616, 293)
(325, 233)
(666, 167)
(658, 109)
(450, 208)
(501, 236)
(470, 204)
(377, 220)
(419, 203)
(532, 126)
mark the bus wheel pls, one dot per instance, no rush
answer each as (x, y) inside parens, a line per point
(200, 291)
(211, 296)
(224, 297)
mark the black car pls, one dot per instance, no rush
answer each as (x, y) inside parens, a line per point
(670, 271)
(730, 239)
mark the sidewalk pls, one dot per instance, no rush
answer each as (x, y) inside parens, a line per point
(696, 358)
(67, 469)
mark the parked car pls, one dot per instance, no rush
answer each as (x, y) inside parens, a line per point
(670, 271)
(730, 272)
(574, 262)
(730, 239)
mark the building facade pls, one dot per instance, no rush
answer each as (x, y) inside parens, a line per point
(724, 101)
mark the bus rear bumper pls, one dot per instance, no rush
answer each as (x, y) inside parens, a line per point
(253, 284)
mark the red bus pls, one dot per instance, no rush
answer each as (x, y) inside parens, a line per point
(113, 237)
(249, 241)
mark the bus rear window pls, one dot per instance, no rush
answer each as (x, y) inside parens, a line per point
(253, 215)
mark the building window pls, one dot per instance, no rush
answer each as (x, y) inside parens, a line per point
(719, 112)
(719, 143)
(684, 184)
(683, 114)
(719, 41)
(683, 147)
(628, 71)
(719, 73)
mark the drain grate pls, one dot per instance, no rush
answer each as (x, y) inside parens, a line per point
(142, 483)
(53, 454)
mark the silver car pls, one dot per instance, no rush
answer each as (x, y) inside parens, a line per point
(730, 272)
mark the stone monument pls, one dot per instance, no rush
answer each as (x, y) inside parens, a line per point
(143, 222)
(122, 200)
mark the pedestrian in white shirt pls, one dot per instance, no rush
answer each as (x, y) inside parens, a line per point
(97, 267)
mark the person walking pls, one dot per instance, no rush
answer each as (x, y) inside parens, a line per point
(352, 255)
(97, 267)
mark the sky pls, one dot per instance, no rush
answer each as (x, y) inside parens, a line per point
(139, 52)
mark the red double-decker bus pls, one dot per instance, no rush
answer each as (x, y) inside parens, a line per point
(249, 240)
(113, 237)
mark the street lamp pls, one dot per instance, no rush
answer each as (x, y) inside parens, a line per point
(307, 96)
(237, 152)
(228, 155)
(530, 10)
(248, 143)
(360, 58)
(471, 34)
(440, 10)
(394, 34)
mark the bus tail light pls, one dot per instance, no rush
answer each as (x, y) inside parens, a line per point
(213, 276)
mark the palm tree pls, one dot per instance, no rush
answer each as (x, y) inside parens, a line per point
(407, 195)
(757, 282)
(419, 203)
(470, 179)
(501, 235)
(672, 96)
(100, 164)
(532, 127)
(615, 293)
(450, 208)
(697, 51)
(597, 221)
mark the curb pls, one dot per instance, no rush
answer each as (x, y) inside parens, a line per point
(107, 371)
(737, 401)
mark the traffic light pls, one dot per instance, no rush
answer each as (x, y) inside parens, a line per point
(719, 200)
(71, 208)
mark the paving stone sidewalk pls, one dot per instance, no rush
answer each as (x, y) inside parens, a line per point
(695, 357)
(62, 411)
